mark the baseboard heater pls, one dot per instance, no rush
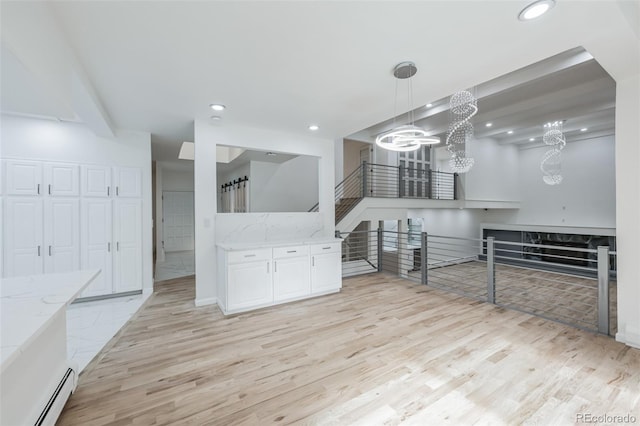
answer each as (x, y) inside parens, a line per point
(56, 403)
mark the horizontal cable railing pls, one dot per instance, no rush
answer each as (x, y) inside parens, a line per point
(383, 181)
(572, 285)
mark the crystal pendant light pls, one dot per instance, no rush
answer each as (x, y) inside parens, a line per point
(462, 106)
(408, 137)
(551, 164)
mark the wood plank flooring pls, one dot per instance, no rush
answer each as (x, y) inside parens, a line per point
(383, 351)
(565, 298)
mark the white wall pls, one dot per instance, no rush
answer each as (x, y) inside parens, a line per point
(585, 198)
(291, 186)
(494, 176)
(206, 138)
(177, 181)
(628, 208)
(463, 223)
(49, 140)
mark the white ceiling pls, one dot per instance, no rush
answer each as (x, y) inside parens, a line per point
(155, 65)
(570, 87)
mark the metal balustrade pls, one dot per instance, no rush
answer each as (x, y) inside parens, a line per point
(572, 285)
(382, 181)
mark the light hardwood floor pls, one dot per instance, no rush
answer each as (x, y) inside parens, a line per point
(383, 351)
(565, 298)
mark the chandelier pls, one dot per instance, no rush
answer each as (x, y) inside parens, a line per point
(462, 106)
(551, 164)
(408, 137)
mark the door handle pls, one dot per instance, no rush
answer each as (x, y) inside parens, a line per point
(38, 189)
(117, 190)
(49, 250)
(38, 250)
(275, 266)
(267, 267)
(108, 188)
(117, 245)
(49, 189)
(109, 247)
(313, 261)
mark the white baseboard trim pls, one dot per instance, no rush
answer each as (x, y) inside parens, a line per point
(629, 338)
(207, 301)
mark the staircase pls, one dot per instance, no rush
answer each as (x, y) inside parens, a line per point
(382, 181)
(344, 206)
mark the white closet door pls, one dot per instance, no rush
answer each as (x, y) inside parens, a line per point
(22, 243)
(96, 246)
(128, 239)
(62, 180)
(61, 235)
(128, 181)
(96, 181)
(24, 177)
(178, 222)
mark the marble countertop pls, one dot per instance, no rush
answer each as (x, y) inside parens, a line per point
(270, 244)
(29, 304)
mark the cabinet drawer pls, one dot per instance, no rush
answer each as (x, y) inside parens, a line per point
(248, 255)
(326, 248)
(293, 251)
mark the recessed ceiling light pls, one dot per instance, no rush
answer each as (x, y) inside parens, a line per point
(510, 132)
(216, 117)
(584, 129)
(313, 127)
(489, 124)
(218, 107)
(532, 139)
(429, 105)
(270, 154)
(536, 9)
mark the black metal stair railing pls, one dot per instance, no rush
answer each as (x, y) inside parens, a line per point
(383, 181)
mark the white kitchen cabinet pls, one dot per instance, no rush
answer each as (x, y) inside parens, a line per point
(326, 268)
(128, 245)
(128, 182)
(41, 178)
(96, 245)
(249, 285)
(61, 235)
(291, 279)
(23, 177)
(265, 276)
(61, 180)
(41, 236)
(23, 238)
(96, 181)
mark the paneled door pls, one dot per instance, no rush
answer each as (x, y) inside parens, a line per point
(23, 245)
(61, 235)
(96, 181)
(128, 242)
(97, 234)
(178, 222)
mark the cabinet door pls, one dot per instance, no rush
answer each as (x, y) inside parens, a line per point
(95, 247)
(291, 278)
(96, 181)
(24, 177)
(249, 285)
(326, 272)
(62, 180)
(128, 239)
(128, 182)
(61, 235)
(22, 242)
